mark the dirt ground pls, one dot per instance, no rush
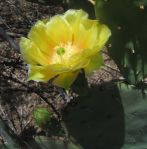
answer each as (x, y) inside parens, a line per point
(17, 96)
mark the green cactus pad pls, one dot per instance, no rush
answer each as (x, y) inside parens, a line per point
(135, 109)
(96, 120)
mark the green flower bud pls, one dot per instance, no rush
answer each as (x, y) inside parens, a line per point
(42, 115)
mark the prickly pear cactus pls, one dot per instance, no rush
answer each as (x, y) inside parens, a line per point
(96, 120)
(135, 111)
(128, 44)
(111, 116)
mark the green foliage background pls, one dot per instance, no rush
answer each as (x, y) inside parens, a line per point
(127, 20)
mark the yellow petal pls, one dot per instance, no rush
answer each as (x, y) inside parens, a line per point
(74, 17)
(95, 39)
(39, 36)
(31, 53)
(95, 62)
(44, 73)
(38, 73)
(86, 37)
(78, 61)
(91, 35)
(103, 35)
(87, 33)
(65, 80)
(59, 30)
(82, 59)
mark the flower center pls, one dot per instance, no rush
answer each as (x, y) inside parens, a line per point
(63, 53)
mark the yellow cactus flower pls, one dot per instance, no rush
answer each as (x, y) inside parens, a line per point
(63, 45)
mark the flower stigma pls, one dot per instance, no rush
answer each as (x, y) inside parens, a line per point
(60, 51)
